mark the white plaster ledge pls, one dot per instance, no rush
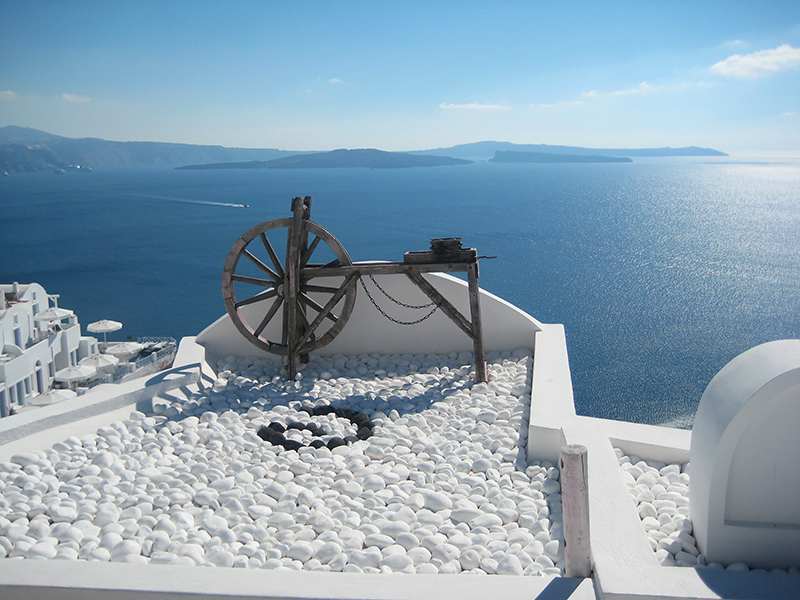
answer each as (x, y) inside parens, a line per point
(69, 580)
(625, 568)
(648, 442)
(40, 428)
(552, 402)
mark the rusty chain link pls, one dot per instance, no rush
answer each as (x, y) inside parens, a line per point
(380, 310)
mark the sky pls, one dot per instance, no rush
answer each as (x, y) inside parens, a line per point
(408, 75)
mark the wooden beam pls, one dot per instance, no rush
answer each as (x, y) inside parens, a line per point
(442, 302)
(477, 324)
(382, 268)
(324, 312)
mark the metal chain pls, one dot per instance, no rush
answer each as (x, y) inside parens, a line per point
(392, 319)
(383, 291)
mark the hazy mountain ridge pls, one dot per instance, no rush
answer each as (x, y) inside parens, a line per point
(17, 144)
(18, 158)
(27, 149)
(369, 158)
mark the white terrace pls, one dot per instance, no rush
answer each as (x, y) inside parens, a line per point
(747, 424)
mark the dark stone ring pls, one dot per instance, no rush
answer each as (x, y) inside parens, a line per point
(274, 432)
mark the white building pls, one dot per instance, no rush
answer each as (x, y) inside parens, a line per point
(37, 339)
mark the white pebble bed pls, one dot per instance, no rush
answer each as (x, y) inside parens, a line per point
(661, 493)
(441, 486)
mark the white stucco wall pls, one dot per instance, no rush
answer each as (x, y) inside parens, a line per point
(745, 500)
(62, 580)
(505, 327)
(30, 352)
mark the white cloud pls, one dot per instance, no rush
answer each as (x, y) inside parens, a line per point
(473, 106)
(642, 88)
(789, 113)
(562, 104)
(758, 63)
(335, 80)
(9, 95)
(73, 98)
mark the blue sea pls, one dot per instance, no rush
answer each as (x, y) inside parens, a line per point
(662, 270)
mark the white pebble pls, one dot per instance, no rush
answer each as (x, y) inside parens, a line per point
(436, 501)
(123, 549)
(509, 565)
(388, 504)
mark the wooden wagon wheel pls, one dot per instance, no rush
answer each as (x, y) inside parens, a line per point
(286, 292)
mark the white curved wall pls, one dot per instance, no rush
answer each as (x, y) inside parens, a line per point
(745, 457)
(505, 327)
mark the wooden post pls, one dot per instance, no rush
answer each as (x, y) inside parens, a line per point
(477, 325)
(302, 322)
(291, 285)
(575, 507)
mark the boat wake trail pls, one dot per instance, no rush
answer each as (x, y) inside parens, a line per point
(190, 201)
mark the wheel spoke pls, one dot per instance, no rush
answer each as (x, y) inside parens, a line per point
(253, 280)
(257, 262)
(272, 255)
(268, 317)
(319, 308)
(322, 289)
(301, 315)
(258, 297)
(325, 312)
(309, 251)
(282, 305)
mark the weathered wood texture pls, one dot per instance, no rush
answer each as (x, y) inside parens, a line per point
(477, 323)
(575, 507)
(290, 285)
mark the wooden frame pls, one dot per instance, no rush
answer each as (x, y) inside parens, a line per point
(291, 283)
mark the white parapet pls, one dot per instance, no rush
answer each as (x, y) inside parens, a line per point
(505, 327)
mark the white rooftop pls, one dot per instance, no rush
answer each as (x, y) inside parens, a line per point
(138, 435)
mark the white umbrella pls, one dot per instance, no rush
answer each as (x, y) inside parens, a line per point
(100, 361)
(124, 348)
(104, 326)
(51, 397)
(77, 373)
(53, 314)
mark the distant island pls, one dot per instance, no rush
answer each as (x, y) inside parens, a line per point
(24, 149)
(486, 150)
(507, 156)
(369, 158)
